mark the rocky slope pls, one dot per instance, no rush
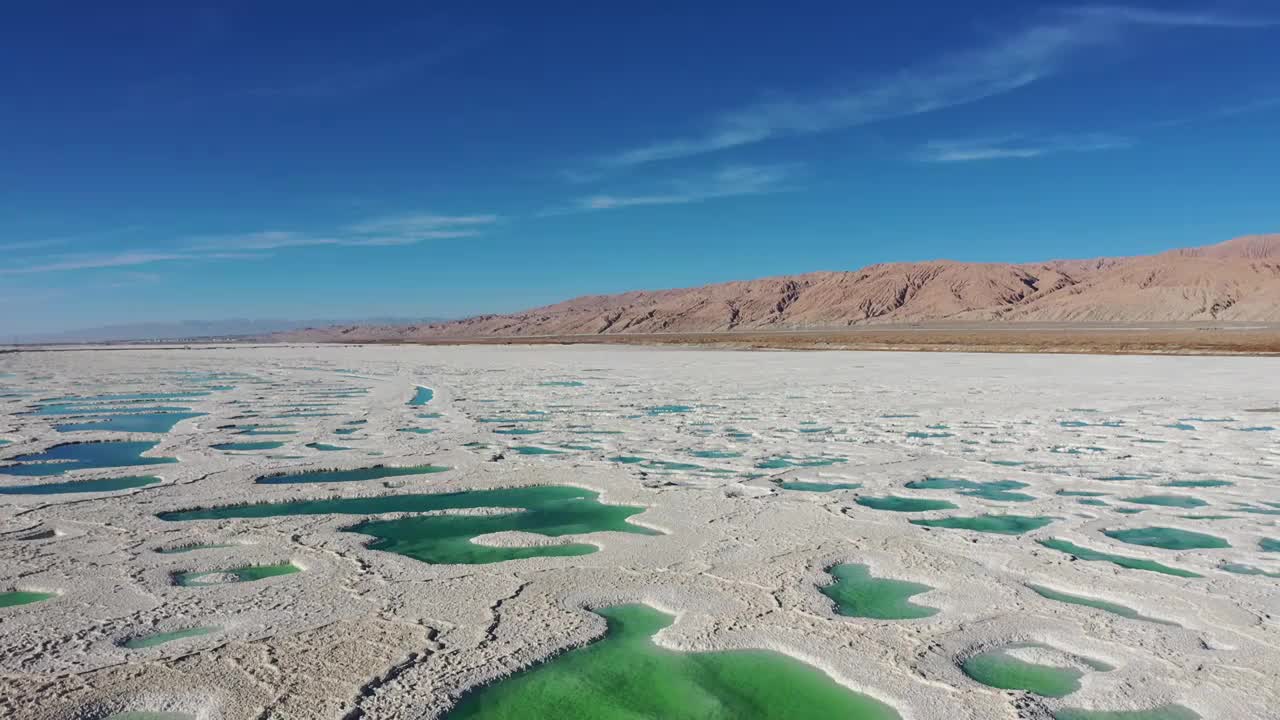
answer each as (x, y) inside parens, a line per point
(1234, 281)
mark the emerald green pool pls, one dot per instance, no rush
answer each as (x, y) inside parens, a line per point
(80, 486)
(248, 573)
(787, 461)
(1000, 524)
(858, 594)
(377, 472)
(1256, 510)
(549, 510)
(1178, 501)
(1086, 554)
(999, 490)
(919, 435)
(146, 641)
(1103, 605)
(22, 597)
(422, 396)
(325, 447)
(808, 486)
(1167, 538)
(136, 422)
(535, 450)
(1167, 712)
(78, 408)
(1198, 483)
(715, 454)
(1240, 569)
(998, 669)
(668, 465)
(1269, 545)
(626, 676)
(627, 459)
(893, 503)
(65, 458)
(668, 409)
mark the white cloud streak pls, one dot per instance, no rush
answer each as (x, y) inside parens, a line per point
(418, 222)
(120, 259)
(376, 232)
(1016, 147)
(96, 235)
(1016, 61)
(31, 244)
(1170, 18)
(733, 181)
(1230, 111)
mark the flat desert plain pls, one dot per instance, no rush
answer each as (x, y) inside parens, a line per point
(376, 532)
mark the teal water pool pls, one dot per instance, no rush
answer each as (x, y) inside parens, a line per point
(549, 510)
(626, 676)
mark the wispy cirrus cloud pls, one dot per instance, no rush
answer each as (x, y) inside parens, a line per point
(732, 181)
(1016, 147)
(117, 260)
(1171, 18)
(1014, 61)
(31, 244)
(420, 224)
(376, 232)
(1227, 111)
(97, 235)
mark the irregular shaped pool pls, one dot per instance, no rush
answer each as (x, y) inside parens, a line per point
(857, 594)
(626, 676)
(549, 510)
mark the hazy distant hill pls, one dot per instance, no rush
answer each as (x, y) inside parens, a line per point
(1234, 281)
(191, 329)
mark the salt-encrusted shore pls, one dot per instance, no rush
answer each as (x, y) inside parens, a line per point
(365, 633)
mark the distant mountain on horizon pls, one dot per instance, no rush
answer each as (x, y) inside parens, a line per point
(1234, 281)
(191, 330)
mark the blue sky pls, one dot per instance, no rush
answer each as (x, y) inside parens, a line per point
(167, 161)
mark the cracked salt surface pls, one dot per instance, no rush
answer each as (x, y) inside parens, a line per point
(740, 562)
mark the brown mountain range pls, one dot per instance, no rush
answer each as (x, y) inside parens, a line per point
(1232, 282)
